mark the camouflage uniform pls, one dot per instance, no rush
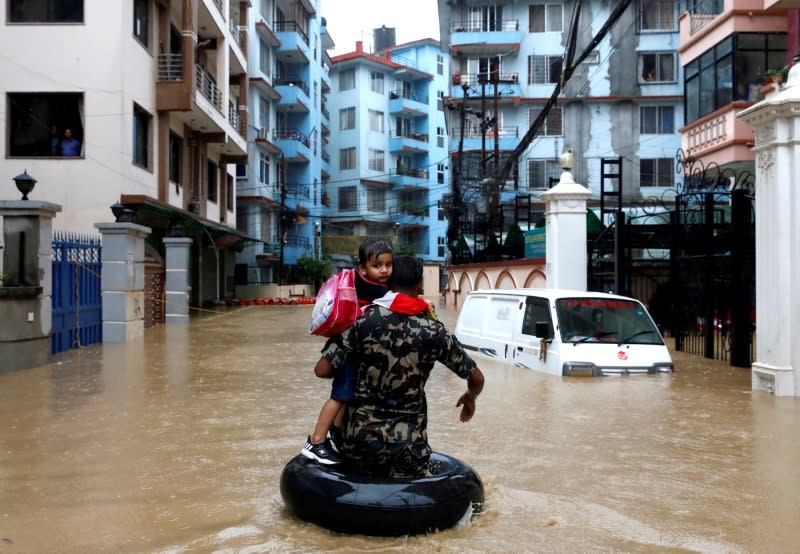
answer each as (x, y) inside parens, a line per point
(386, 422)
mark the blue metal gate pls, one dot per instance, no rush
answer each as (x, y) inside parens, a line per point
(77, 305)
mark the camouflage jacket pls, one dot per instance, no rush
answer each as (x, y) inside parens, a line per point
(394, 354)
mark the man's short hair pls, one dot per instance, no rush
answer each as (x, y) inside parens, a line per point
(372, 247)
(406, 272)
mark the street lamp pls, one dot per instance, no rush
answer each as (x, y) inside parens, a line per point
(567, 160)
(25, 183)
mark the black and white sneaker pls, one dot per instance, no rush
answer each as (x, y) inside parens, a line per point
(334, 437)
(322, 452)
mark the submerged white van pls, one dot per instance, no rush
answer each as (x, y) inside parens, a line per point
(563, 332)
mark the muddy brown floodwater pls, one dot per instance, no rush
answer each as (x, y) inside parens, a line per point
(176, 444)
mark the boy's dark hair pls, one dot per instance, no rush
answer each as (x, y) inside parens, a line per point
(406, 272)
(372, 247)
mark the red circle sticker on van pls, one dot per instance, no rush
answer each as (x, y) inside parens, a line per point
(622, 355)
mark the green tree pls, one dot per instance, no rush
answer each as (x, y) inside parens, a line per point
(316, 270)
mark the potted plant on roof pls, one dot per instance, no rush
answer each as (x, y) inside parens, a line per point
(774, 76)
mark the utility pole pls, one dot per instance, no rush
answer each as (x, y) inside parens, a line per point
(454, 219)
(282, 218)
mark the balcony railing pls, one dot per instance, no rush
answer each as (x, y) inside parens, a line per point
(207, 86)
(422, 137)
(235, 34)
(505, 25)
(297, 241)
(412, 172)
(475, 132)
(278, 82)
(484, 78)
(289, 27)
(290, 134)
(272, 248)
(234, 117)
(326, 157)
(702, 13)
(218, 3)
(170, 67)
(325, 112)
(408, 95)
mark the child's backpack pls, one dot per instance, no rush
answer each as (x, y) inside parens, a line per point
(336, 307)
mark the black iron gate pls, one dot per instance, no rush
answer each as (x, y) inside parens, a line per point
(690, 255)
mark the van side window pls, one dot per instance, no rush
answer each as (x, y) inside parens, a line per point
(536, 310)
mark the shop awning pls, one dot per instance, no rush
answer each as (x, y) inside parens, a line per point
(156, 214)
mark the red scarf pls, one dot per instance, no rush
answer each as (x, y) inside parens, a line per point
(402, 303)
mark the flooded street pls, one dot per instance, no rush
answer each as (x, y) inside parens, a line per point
(176, 444)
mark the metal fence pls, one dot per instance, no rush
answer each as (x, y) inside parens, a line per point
(77, 304)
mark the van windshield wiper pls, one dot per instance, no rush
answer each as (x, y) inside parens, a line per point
(637, 334)
(595, 336)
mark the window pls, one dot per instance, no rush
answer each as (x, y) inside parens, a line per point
(440, 173)
(37, 123)
(440, 247)
(537, 310)
(211, 189)
(485, 18)
(657, 15)
(376, 200)
(347, 79)
(439, 64)
(142, 122)
(376, 82)
(347, 158)
(656, 172)
(141, 21)
(541, 171)
(376, 121)
(175, 157)
(440, 137)
(730, 71)
(439, 211)
(229, 192)
(263, 169)
(440, 100)
(347, 199)
(45, 11)
(553, 123)
(544, 69)
(241, 171)
(656, 120)
(546, 18)
(376, 159)
(347, 119)
(263, 58)
(656, 67)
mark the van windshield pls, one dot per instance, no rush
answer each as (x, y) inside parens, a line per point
(605, 320)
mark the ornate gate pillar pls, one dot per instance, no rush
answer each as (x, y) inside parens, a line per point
(776, 121)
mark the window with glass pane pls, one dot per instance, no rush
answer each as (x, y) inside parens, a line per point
(376, 200)
(439, 64)
(440, 173)
(376, 159)
(376, 121)
(175, 157)
(546, 18)
(440, 246)
(553, 123)
(141, 20)
(141, 136)
(440, 137)
(657, 15)
(347, 79)
(540, 171)
(440, 100)
(543, 69)
(263, 169)
(347, 199)
(45, 11)
(263, 58)
(656, 172)
(347, 158)
(347, 119)
(656, 67)
(376, 82)
(655, 120)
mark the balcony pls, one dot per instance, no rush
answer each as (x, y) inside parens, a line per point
(262, 140)
(719, 136)
(412, 143)
(703, 13)
(170, 67)
(294, 95)
(293, 143)
(408, 104)
(235, 119)
(266, 87)
(409, 177)
(293, 47)
(507, 85)
(508, 138)
(207, 87)
(266, 33)
(471, 38)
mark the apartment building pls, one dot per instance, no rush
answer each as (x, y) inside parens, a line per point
(281, 189)
(153, 94)
(726, 47)
(389, 170)
(620, 112)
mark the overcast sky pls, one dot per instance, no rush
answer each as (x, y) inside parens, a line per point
(350, 21)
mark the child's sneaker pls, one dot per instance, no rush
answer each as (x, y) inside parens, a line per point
(335, 438)
(322, 452)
